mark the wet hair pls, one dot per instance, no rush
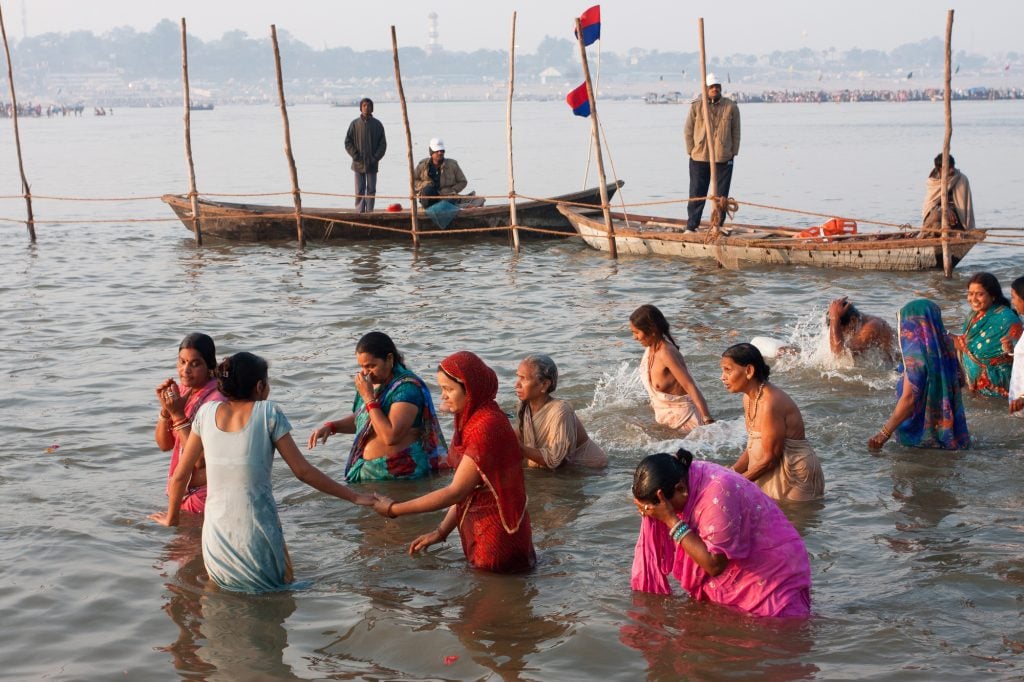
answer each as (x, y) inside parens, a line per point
(204, 344)
(544, 368)
(747, 354)
(663, 472)
(1018, 286)
(239, 375)
(650, 320)
(990, 283)
(365, 100)
(379, 345)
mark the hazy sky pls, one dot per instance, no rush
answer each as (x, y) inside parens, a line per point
(748, 26)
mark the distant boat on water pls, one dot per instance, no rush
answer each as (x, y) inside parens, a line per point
(201, 106)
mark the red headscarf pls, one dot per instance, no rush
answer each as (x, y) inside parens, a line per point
(484, 434)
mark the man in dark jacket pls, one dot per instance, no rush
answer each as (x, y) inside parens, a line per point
(366, 144)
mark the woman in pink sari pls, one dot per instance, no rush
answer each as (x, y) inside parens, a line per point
(720, 535)
(197, 360)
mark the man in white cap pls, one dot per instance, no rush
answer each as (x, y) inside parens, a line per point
(437, 176)
(725, 136)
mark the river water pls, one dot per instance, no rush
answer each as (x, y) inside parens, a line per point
(918, 556)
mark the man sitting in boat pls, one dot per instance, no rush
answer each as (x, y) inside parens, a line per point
(851, 330)
(959, 202)
(437, 176)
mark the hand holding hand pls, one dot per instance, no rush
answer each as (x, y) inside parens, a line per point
(364, 499)
(382, 504)
(171, 399)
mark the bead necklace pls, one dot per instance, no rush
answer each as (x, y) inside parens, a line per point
(757, 399)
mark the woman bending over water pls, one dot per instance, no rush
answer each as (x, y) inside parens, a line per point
(393, 417)
(777, 456)
(676, 400)
(720, 535)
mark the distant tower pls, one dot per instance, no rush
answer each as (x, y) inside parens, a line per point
(432, 43)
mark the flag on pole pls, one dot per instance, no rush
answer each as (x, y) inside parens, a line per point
(579, 101)
(590, 24)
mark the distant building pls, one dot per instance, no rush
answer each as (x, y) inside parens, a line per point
(433, 44)
(549, 73)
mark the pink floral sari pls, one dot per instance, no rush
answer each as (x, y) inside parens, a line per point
(768, 573)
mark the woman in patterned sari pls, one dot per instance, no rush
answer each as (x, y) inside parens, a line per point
(397, 435)
(929, 410)
(985, 361)
(197, 362)
(486, 499)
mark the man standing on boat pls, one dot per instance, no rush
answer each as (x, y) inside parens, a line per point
(365, 143)
(437, 176)
(725, 135)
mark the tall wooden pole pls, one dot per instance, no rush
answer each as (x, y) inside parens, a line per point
(709, 136)
(612, 248)
(31, 222)
(413, 211)
(296, 195)
(192, 194)
(947, 258)
(513, 218)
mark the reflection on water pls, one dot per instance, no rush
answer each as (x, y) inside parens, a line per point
(221, 635)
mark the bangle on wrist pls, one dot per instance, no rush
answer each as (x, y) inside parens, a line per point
(679, 531)
(330, 427)
(371, 405)
(885, 432)
(391, 514)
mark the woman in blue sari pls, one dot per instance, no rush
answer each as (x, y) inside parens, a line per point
(929, 410)
(397, 435)
(984, 359)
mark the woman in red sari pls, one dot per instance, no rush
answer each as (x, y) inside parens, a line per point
(486, 499)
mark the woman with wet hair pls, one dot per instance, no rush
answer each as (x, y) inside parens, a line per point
(243, 544)
(179, 402)
(723, 539)
(777, 457)
(675, 398)
(550, 434)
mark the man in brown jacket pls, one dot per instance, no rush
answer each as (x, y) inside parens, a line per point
(437, 176)
(725, 128)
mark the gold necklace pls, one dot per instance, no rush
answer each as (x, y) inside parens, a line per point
(757, 399)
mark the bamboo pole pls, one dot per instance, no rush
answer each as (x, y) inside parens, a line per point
(296, 195)
(413, 211)
(31, 222)
(708, 132)
(603, 187)
(947, 258)
(513, 218)
(193, 196)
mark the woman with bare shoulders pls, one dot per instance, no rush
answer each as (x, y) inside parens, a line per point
(777, 457)
(676, 400)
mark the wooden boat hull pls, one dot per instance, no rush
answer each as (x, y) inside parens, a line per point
(260, 223)
(749, 245)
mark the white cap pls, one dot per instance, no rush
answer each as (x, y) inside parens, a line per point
(712, 79)
(436, 144)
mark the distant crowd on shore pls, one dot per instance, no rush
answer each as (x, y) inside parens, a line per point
(38, 110)
(847, 95)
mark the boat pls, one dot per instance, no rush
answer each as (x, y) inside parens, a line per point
(201, 106)
(736, 245)
(261, 223)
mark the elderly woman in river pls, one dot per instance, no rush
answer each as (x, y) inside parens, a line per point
(179, 402)
(550, 433)
(393, 417)
(721, 537)
(777, 457)
(676, 400)
(980, 347)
